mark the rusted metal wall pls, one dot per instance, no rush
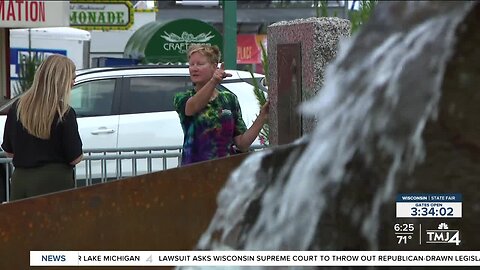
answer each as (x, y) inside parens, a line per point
(167, 210)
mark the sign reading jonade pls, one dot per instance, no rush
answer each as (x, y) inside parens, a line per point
(101, 15)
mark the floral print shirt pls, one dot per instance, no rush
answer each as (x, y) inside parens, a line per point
(209, 133)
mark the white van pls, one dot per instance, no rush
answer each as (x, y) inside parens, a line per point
(42, 42)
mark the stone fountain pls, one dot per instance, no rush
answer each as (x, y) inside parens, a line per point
(398, 114)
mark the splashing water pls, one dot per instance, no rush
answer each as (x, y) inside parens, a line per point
(379, 94)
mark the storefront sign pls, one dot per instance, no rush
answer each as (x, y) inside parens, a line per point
(248, 48)
(101, 15)
(18, 56)
(175, 37)
(23, 14)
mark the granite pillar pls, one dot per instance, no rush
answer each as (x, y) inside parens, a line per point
(298, 53)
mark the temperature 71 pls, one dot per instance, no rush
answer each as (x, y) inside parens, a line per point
(402, 239)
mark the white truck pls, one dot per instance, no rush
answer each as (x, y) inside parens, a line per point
(41, 42)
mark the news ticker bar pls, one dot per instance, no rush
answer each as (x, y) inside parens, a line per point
(254, 258)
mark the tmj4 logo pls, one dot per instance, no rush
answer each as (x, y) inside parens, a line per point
(443, 235)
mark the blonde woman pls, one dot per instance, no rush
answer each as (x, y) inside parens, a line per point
(211, 118)
(41, 132)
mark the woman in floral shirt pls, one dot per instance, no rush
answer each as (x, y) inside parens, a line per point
(211, 119)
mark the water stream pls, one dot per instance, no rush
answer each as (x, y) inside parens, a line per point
(379, 94)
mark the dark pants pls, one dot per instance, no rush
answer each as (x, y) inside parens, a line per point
(41, 180)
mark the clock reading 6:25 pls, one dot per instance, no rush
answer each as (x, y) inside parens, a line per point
(431, 211)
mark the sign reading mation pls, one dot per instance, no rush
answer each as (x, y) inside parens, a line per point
(33, 13)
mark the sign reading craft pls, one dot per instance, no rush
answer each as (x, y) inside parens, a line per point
(25, 14)
(101, 15)
(155, 42)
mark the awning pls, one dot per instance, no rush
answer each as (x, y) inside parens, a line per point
(168, 43)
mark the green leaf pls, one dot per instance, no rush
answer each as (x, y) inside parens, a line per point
(265, 63)
(362, 15)
(26, 73)
(260, 96)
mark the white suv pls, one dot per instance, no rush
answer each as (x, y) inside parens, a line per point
(132, 107)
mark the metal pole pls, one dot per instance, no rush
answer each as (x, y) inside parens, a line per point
(6, 48)
(346, 10)
(230, 33)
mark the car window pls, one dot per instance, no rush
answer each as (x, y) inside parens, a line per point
(152, 94)
(93, 98)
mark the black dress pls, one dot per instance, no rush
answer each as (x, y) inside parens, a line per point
(42, 166)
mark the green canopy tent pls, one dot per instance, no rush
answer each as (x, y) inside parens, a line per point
(168, 43)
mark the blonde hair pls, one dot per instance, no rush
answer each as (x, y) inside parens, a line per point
(212, 53)
(48, 96)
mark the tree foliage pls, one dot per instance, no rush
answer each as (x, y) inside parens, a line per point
(362, 15)
(260, 94)
(26, 73)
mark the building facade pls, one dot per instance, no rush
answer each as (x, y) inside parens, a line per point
(252, 16)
